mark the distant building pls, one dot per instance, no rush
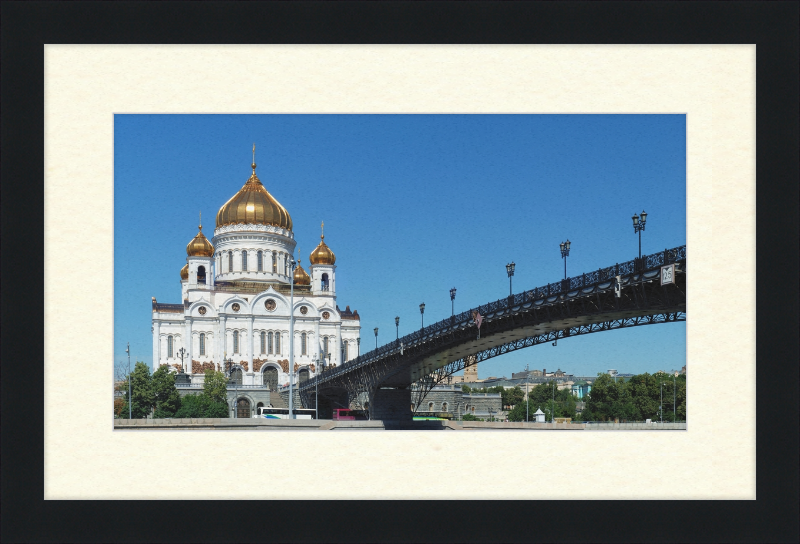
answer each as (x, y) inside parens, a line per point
(470, 373)
(581, 389)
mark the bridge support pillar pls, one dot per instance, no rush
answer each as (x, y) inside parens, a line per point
(390, 404)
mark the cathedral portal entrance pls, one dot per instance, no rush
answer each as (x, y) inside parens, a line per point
(271, 378)
(243, 408)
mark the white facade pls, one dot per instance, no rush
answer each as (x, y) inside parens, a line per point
(240, 310)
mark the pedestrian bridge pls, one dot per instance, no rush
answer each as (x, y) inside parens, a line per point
(402, 372)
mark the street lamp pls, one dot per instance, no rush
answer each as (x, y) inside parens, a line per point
(527, 400)
(673, 398)
(564, 254)
(510, 269)
(452, 301)
(130, 400)
(227, 369)
(358, 346)
(397, 326)
(376, 337)
(638, 226)
(422, 313)
(182, 354)
(292, 265)
(316, 386)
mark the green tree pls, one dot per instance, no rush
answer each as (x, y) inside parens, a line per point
(465, 389)
(166, 396)
(469, 417)
(215, 386)
(142, 398)
(512, 397)
(518, 412)
(201, 405)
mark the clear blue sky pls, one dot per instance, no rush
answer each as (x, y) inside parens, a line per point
(413, 205)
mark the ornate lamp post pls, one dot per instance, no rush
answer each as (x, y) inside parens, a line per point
(527, 400)
(358, 345)
(638, 226)
(422, 313)
(674, 418)
(565, 254)
(316, 386)
(510, 269)
(292, 265)
(227, 369)
(376, 337)
(130, 400)
(452, 301)
(397, 326)
(182, 354)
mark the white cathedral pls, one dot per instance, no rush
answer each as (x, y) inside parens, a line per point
(236, 294)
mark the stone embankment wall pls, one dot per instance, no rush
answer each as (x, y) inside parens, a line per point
(261, 424)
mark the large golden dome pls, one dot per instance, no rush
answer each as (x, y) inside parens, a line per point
(322, 254)
(185, 272)
(200, 246)
(254, 205)
(301, 277)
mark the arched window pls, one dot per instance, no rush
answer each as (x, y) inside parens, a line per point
(236, 341)
(430, 407)
(270, 343)
(260, 261)
(202, 343)
(230, 261)
(325, 345)
(444, 407)
(303, 344)
(344, 348)
(201, 274)
(264, 341)
(244, 261)
(278, 343)
(274, 263)
(325, 284)
(412, 406)
(169, 346)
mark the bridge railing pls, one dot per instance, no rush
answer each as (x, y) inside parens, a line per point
(464, 319)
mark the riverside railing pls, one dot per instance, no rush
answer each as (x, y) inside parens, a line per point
(547, 293)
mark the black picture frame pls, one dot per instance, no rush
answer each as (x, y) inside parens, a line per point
(772, 26)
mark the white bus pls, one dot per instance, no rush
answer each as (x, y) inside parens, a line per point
(283, 413)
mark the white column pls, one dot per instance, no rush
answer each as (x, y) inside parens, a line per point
(189, 343)
(223, 342)
(250, 344)
(319, 346)
(156, 344)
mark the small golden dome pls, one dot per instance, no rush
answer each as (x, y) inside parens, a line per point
(200, 246)
(185, 272)
(254, 205)
(322, 254)
(301, 277)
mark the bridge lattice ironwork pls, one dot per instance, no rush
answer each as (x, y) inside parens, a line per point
(588, 294)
